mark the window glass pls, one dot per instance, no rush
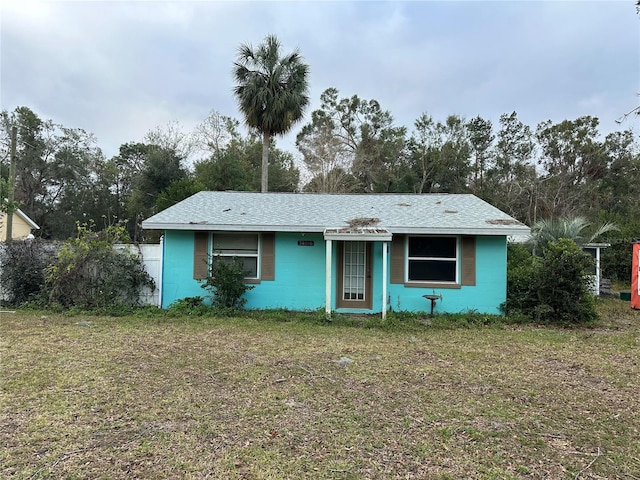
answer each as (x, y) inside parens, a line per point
(432, 259)
(243, 246)
(353, 271)
(434, 247)
(249, 265)
(235, 243)
(432, 271)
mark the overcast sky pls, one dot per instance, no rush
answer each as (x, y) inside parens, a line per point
(121, 68)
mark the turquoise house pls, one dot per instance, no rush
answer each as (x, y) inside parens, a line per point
(342, 253)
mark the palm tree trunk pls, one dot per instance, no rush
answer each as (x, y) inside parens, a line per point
(265, 162)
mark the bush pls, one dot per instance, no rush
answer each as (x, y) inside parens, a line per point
(191, 306)
(22, 269)
(562, 284)
(522, 267)
(89, 273)
(552, 288)
(225, 283)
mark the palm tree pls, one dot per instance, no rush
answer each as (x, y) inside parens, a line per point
(272, 91)
(577, 229)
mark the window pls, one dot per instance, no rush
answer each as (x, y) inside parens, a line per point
(256, 250)
(244, 246)
(353, 274)
(432, 259)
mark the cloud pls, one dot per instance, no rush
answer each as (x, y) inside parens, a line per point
(120, 69)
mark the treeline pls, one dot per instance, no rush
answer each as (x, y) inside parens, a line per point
(350, 144)
(64, 179)
(554, 170)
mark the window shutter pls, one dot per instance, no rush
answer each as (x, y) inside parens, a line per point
(267, 267)
(200, 255)
(469, 261)
(397, 259)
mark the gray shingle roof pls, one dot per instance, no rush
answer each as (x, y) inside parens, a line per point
(308, 212)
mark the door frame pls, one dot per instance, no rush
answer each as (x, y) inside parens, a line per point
(367, 303)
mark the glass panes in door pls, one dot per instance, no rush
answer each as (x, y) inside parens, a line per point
(354, 271)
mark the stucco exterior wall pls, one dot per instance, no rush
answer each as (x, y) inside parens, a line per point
(299, 275)
(299, 282)
(177, 270)
(485, 297)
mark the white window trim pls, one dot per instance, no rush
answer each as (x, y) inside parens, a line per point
(258, 255)
(457, 261)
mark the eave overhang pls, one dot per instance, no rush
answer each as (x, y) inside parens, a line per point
(596, 245)
(489, 230)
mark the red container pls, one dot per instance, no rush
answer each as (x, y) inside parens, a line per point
(635, 277)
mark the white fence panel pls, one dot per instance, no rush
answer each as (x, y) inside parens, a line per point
(151, 256)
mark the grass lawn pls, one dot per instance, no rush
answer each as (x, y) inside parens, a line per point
(99, 397)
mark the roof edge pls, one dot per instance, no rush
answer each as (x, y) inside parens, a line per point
(26, 218)
(486, 231)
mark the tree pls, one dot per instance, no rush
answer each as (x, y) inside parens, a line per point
(161, 167)
(5, 205)
(171, 138)
(455, 156)
(114, 183)
(577, 229)
(440, 154)
(380, 161)
(480, 138)
(177, 191)
(424, 148)
(283, 174)
(336, 180)
(620, 186)
(236, 166)
(511, 179)
(327, 158)
(54, 174)
(272, 92)
(227, 170)
(574, 162)
(215, 133)
(357, 137)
